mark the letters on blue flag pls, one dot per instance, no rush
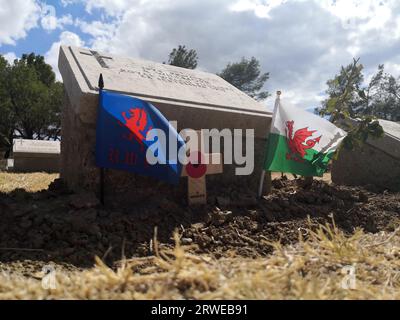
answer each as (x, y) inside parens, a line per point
(122, 126)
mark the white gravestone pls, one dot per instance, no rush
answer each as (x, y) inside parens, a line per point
(195, 99)
(36, 155)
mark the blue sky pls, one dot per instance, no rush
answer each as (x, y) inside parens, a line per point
(302, 43)
(39, 39)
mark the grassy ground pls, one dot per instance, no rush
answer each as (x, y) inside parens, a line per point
(31, 182)
(314, 268)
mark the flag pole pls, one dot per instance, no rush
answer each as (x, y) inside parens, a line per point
(260, 187)
(277, 100)
(101, 87)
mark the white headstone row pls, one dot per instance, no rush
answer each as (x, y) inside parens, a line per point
(36, 155)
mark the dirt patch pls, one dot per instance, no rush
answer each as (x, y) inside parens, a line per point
(56, 225)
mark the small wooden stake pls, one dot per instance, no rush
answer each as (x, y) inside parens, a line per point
(197, 190)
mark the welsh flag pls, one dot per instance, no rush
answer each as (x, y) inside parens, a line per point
(300, 142)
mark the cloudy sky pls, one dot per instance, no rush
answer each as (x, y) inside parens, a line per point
(302, 43)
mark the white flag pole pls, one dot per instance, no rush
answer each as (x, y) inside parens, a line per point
(277, 101)
(260, 188)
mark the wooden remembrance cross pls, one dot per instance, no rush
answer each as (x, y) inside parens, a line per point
(196, 173)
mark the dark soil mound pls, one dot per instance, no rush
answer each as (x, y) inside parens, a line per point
(55, 225)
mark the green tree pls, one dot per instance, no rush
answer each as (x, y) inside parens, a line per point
(246, 76)
(370, 95)
(348, 101)
(388, 106)
(379, 98)
(184, 58)
(43, 70)
(53, 131)
(32, 100)
(343, 92)
(6, 114)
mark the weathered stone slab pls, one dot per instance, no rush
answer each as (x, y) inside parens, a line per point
(36, 155)
(195, 99)
(10, 164)
(377, 163)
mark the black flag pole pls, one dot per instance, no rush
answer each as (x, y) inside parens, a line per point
(101, 82)
(101, 86)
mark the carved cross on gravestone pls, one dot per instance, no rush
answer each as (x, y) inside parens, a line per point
(200, 165)
(98, 57)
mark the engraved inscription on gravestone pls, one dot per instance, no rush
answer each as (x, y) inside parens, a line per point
(146, 79)
(172, 77)
(161, 75)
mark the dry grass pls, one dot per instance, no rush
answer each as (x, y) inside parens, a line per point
(31, 182)
(311, 269)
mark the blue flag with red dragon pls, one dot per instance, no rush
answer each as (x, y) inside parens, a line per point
(122, 126)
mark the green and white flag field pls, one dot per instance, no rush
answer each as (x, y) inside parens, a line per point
(300, 142)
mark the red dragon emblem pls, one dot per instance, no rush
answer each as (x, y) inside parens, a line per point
(136, 123)
(297, 141)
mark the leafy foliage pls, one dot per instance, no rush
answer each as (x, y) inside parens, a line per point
(43, 70)
(7, 116)
(246, 76)
(356, 106)
(184, 58)
(30, 100)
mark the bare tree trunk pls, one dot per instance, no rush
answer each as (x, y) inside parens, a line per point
(10, 144)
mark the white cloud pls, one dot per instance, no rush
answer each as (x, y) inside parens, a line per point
(370, 14)
(114, 7)
(393, 68)
(10, 57)
(66, 38)
(97, 28)
(50, 21)
(17, 17)
(260, 8)
(65, 3)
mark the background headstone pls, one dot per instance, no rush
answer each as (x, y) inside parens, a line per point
(10, 164)
(36, 155)
(377, 163)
